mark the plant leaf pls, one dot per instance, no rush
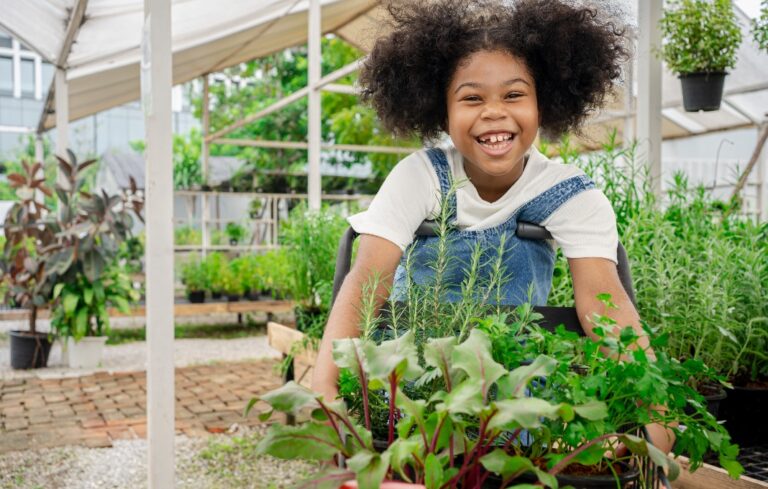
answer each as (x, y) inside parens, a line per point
(473, 356)
(370, 468)
(515, 383)
(310, 441)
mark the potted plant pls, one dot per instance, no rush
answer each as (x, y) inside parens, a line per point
(310, 239)
(83, 260)
(235, 233)
(82, 316)
(23, 266)
(700, 42)
(194, 279)
(466, 432)
(231, 286)
(214, 265)
(246, 271)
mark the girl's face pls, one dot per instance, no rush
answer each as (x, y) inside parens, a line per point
(493, 117)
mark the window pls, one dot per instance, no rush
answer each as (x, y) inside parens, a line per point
(6, 75)
(27, 78)
(5, 41)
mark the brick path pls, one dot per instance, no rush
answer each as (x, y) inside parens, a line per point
(95, 409)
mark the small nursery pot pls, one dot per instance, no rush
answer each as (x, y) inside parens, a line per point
(216, 295)
(702, 91)
(196, 296)
(86, 353)
(233, 297)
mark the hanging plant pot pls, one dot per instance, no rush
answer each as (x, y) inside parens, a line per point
(29, 350)
(702, 91)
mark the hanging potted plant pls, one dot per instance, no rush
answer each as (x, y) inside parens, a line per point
(760, 27)
(23, 265)
(235, 233)
(701, 38)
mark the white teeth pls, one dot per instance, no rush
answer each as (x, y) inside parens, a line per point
(494, 138)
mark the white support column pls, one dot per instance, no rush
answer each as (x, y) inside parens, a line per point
(61, 91)
(313, 120)
(39, 154)
(156, 88)
(628, 135)
(206, 122)
(649, 88)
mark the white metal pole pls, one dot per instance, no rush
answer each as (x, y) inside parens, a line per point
(156, 97)
(313, 120)
(39, 153)
(649, 88)
(205, 211)
(61, 91)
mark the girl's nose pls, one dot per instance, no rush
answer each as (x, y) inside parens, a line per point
(493, 111)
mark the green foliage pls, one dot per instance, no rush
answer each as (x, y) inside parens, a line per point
(187, 235)
(274, 270)
(214, 266)
(698, 269)
(310, 239)
(262, 82)
(193, 276)
(700, 35)
(479, 407)
(82, 303)
(187, 166)
(760, 27)
(235, 232)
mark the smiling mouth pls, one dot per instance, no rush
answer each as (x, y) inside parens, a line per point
(496, 140)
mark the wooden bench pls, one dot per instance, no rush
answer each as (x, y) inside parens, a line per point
(270, 307)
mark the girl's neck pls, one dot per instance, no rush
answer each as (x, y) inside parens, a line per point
(491, 188)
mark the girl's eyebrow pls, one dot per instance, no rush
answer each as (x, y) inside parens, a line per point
(480, 85)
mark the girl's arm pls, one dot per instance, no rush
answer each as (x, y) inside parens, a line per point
(376, 257)
(593, 276)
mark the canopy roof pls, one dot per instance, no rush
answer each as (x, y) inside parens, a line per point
(103, 65)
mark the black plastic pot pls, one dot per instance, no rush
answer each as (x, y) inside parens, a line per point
(196, 296)
(744, 413)
(29, 350)
(702, 91)
(232, 242)
(713, 395)
(215, 295)
(627, 478)
(233, 297)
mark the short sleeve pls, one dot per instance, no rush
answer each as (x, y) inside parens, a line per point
(585, 226)
(406, 198)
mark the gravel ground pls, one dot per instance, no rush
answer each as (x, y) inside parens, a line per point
(129, 357)
(222, 461)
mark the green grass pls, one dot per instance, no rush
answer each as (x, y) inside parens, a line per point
(216, 331)
(235, 462)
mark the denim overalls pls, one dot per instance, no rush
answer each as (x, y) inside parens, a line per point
(526, 263)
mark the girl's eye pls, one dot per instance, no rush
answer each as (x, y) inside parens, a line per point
(472, 98)
(514, 95)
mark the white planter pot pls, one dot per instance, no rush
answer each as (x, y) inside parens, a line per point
(86, 353)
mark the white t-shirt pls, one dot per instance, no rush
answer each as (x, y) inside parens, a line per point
(584, 226)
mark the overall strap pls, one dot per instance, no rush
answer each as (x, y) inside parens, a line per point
(445, 177)
(543, 205)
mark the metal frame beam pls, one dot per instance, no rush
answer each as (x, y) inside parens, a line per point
(649, 87)
(325, 146)
(76, 20)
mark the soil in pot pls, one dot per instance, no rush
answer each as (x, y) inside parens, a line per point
(744, 413)
(196, 296)
(29, 350)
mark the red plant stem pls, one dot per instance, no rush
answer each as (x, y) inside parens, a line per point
(433, 445)
(351, 429)
(464, 469)
(393, 393)
(364, 385)
(512, 439)
(450, 450)
(567, 459)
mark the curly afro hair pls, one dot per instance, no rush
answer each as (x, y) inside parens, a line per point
(572, 54)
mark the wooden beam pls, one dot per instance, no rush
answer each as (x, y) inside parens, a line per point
(711, 477)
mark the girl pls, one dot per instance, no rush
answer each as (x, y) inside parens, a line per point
(491, 74)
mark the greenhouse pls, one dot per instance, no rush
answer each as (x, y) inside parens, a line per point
(397, 244)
